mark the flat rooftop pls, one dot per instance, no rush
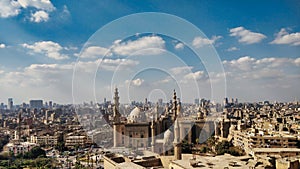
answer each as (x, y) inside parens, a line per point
(216, 162)
(276, 150)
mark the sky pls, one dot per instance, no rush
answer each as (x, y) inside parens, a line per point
(75, 51)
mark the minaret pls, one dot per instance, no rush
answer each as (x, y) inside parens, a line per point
(146, 104)
(178, 108)
(152, 136)
(176, 142)
(116, 106)
(156, 112)
(200, 114)
(174, 105)
(116, 116)
(167, 109)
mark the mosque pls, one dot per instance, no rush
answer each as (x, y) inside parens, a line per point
(161, 129)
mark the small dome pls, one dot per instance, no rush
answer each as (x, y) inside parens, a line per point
(136, 115)
(168, 137)
(135, 112)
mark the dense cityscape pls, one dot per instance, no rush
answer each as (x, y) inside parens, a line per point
(150, 134)
(149, 84)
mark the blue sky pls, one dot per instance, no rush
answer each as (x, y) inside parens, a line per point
(258, 43)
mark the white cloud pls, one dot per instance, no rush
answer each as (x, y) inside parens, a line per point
(93, 52)
(136, 82)
(113, 64)
(45, 81)
(145, 45)
(54, 81)
(66, 10)
(48, 48)
(195, 75)
(248, 67)
(179, 46)
(38, 4)
(148, 45)
(246, 36)
(232, 49)
(181, 70)
(164, 81)
(39, 16)
(283, 37)
(253, 79)
(297, 61)
(105, 64)
(49, 67)
(244, 63)
(9, 8)
(2, 45)
(65, 14)
(200, 41)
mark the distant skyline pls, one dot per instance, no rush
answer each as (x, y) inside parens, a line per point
(258, 43)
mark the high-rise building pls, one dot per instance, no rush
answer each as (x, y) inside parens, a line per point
(196, 101)
(36, 104)
(46, 105)
(160, 102)
(50, 105)
(2, 106)
(10, 104)
(225, 101)
(24, 105)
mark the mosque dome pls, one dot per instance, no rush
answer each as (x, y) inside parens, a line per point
(168, 137)
(136, 115)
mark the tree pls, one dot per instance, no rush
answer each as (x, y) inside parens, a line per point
(34, 153)
(211, 141)
(60, 146)
(197, 140)
(204, 149)
(186, 147)
(3, 141)
(222, 147)
(227, 147)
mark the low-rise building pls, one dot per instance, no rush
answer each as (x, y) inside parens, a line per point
(46, 140)
(78, 140)
(19, 148)
(249, 141)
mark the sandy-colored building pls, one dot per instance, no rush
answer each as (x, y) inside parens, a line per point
(155, 128)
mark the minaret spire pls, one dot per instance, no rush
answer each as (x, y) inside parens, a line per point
(156, 111)
(176, 142)
(174, 105)
(116, 106)
(152, 136)
(116, 117)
